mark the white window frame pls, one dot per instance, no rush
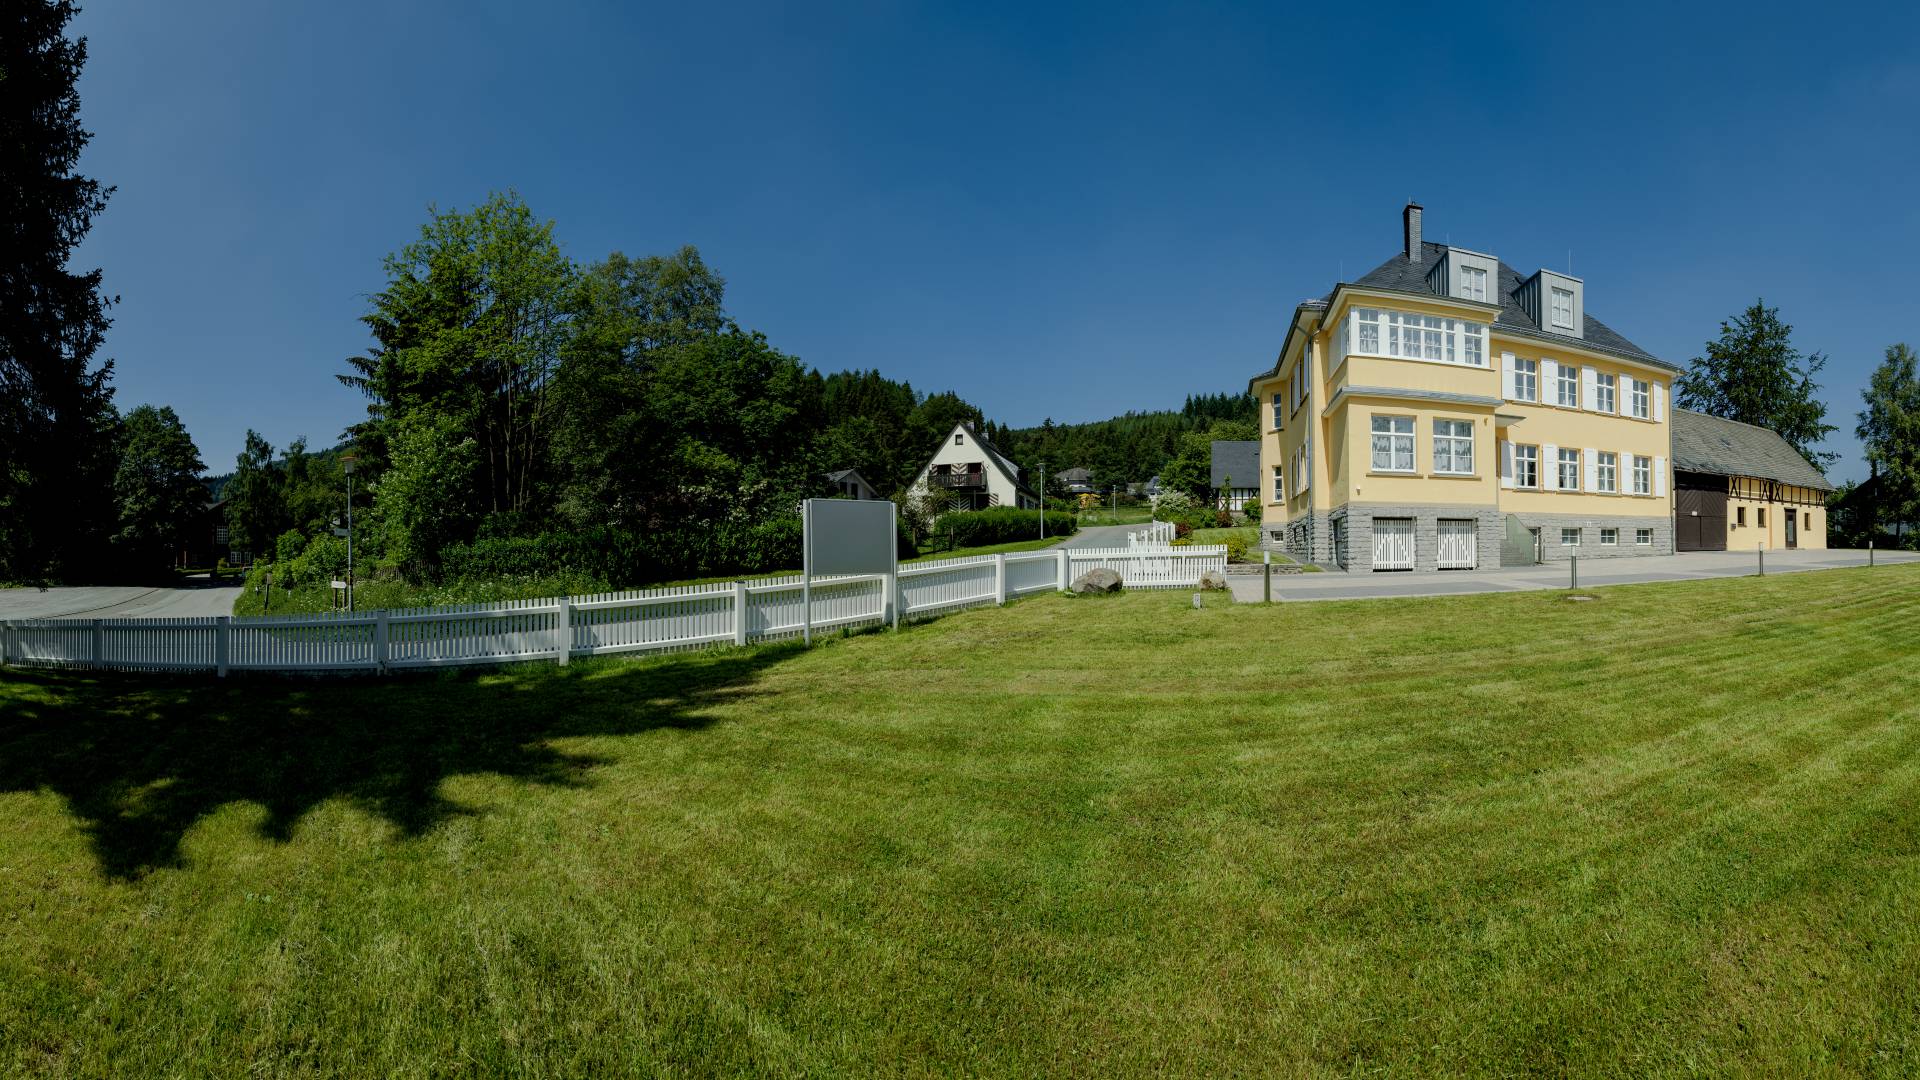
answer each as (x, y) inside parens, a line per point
(959, 439)
(1569, 468)
(1452, 440)
(1609, 537)
(1526, 465)
(1393, 434)
(1526, 379)
(1605, 392)
(1570, 530)
(1642, 475)
(1279, 484)
(1403, 335)
(1567, 386)
(1643, 538)
(1606, 472)
(1562, 307)
(1473, 283)
(1640, 398)
(1279, 414)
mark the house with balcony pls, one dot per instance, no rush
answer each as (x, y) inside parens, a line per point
(1445, 412)
(973, 474)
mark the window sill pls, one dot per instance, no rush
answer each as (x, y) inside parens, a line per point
(1394, 472)
(1453, 476)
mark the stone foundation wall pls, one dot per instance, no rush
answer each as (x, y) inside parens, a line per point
(1489, 527)
(1590, 526)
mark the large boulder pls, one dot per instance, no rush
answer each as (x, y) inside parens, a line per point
(1213, 580)
(1097, 580)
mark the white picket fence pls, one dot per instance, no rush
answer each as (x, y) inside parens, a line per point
(649, 620)
(1156, 535)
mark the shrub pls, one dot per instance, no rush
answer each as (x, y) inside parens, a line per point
(623, 557)
(1182, 530)
(288, 546)
(999, 525)
(1252, 511)
(1236, 548)
(1172, 505)
(1223, 519)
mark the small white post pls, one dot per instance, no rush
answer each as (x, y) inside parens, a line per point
(563, 630)
(892, 605)
(1000, 578)
(222, 642)
(1066, 570)
(739, 613)
(99, 643)
(380, 640)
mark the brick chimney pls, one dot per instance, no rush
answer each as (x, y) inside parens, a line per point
(1410, 218)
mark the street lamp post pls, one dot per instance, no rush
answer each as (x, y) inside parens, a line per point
(1043, 500)
(346, 461)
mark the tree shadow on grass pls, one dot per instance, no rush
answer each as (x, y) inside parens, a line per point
(140, 759)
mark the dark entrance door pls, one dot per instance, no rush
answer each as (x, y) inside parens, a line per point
(1700, 520)
(1793, 527)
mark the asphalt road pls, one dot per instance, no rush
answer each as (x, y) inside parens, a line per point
(1338, 585)
(119, 602)
(1101, 536)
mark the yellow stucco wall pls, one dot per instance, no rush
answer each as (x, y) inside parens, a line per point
(1424, 486)
(1773, 536)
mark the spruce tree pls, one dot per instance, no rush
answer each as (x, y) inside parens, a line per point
(56, 414)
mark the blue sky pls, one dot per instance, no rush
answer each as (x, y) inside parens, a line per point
(1056, 211)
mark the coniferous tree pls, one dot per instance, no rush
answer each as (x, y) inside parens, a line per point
(56, 412)
(1755, 374)
(1889, 428)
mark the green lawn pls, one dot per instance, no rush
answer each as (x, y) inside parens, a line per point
(1675, 829)
(1125, 515)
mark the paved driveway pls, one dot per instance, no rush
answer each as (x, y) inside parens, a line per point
(119, 602)
(1339, 585)
(1101, 536)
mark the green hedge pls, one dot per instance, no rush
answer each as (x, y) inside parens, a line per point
(623, 557)
(999, 525)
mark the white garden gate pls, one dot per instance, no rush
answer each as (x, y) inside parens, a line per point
(1393, 543)
(1458, 546)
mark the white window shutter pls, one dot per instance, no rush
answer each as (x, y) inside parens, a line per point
(1307, 483)
(1660, 402)
(1509, 390)
(1591, 458)
(1549, 381)
(1589, 389)
(1550, 467)
(1506, 464)
(1623, 472)
(1660, 477)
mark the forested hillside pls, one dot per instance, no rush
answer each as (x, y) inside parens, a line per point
(1126, 449)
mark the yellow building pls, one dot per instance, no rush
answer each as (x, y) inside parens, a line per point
(1443, 412)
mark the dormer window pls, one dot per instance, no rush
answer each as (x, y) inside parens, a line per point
(1563, 308)
(1473, 283)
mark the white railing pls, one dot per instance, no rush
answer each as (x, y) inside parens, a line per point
(647, 620)
(1156, 535)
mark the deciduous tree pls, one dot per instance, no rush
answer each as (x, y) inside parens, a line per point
(1889, 428)
(157, 490)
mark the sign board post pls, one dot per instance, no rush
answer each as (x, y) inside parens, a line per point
(846, 536)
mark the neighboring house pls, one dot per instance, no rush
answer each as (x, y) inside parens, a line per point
(1737, 487)
(1077, 481)
(1150, 488)
(850, 483)
(206, 541)
(1236, 473)
(1445, 412)
(974, 474)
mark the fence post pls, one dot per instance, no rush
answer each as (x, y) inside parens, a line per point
(893, 596)
(1267, 573)
(99, 643)
(563, 630)
(1869, 551)
(739, 613)
(1000, 578)
(1066, 570)
(1763, 561)
(222, 642)
(1576, 573)
(380, 641)
(6, 643)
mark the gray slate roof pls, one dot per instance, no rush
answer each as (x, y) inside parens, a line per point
(1075, 476)
(1709, 444)
(1238, 461)
(1400, 275)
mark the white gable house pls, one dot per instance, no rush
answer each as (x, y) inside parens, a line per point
(974, 474)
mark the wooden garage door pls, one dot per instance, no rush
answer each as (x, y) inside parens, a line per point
(1393, 543)
(1458, 544)
(1700, 520)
